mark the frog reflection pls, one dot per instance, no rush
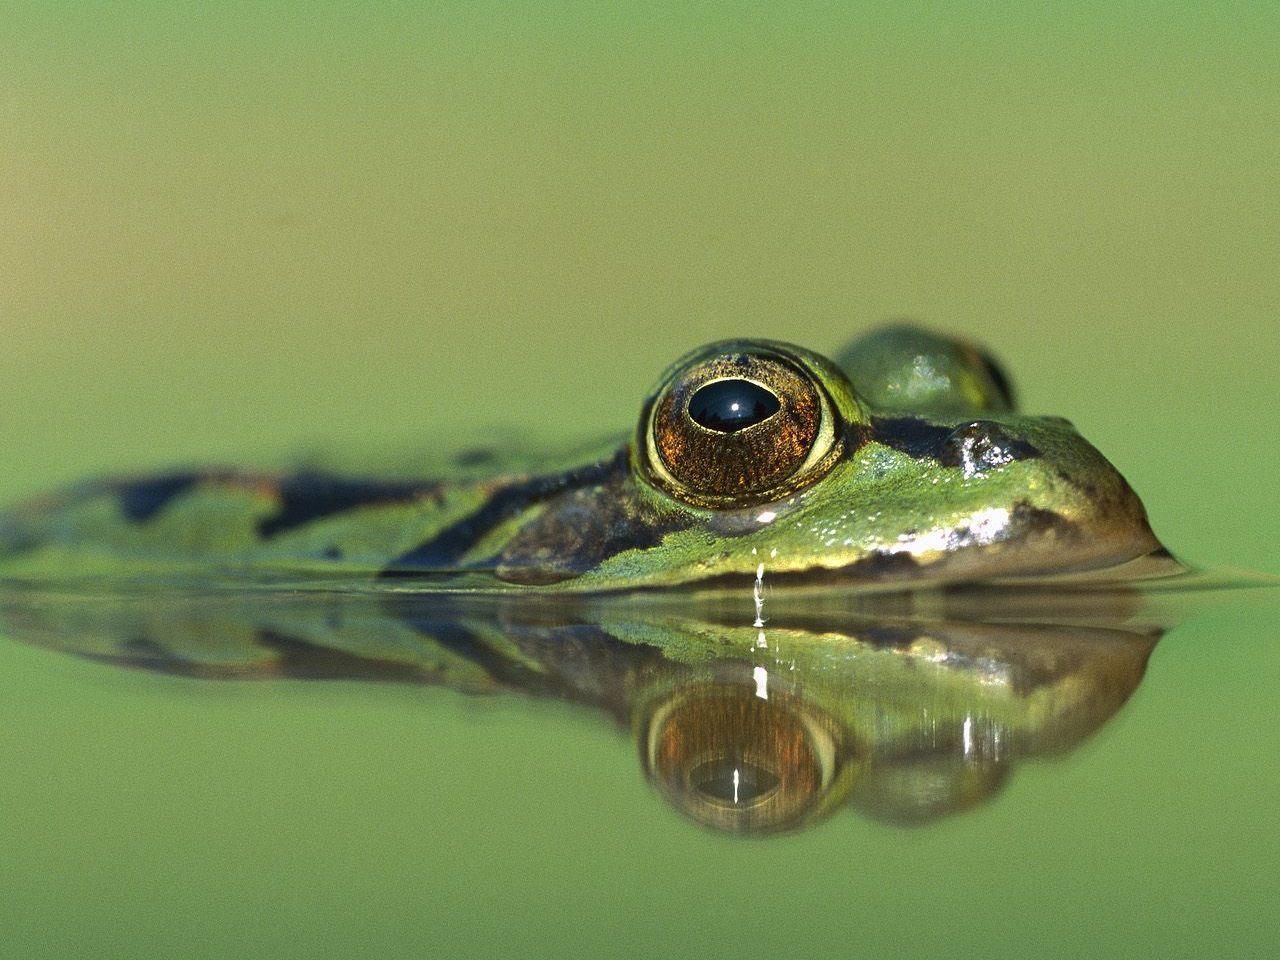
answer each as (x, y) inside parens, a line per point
(920, 722)
(735, 761)
(902, 714)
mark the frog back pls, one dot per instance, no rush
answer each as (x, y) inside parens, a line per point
(444, 511)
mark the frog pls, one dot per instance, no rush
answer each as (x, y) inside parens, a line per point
(905, 714)
(901, 462)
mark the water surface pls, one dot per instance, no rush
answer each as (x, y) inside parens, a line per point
(305, 776)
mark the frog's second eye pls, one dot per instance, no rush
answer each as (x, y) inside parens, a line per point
(737, 428)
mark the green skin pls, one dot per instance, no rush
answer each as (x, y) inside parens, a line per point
(913, 498)
(904, 717)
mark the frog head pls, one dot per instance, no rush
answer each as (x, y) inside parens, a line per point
(906, 463)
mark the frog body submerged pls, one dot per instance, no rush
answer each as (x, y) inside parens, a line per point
(903, 463)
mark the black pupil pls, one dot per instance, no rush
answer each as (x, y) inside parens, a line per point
(728, 406)
(733, 782)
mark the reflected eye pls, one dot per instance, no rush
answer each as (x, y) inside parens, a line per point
(735, 762)
(738, 427)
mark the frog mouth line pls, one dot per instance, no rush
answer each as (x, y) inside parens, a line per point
(901, 572)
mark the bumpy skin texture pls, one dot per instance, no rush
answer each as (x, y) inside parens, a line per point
(929, 476)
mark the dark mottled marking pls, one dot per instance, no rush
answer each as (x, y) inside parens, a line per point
(444, 550)
(301, 659)
(889, 636)
(1086, 487)
(580, 662)
(579, 530)
(459, 639)
(146, 653)
(881, 565)
(980, 443)
(592, 665)
(910, 435)
(15, 537)
(142, 653)
(140, 500)
(1025, 518)
(294, 658)
(306, 497)
(475, 457)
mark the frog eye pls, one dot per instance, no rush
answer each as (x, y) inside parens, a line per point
(999, 379)
(919, 789)
(735, 762)
(735, 427)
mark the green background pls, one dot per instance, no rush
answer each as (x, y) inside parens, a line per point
(230, 230)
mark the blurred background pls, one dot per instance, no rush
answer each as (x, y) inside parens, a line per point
(227, 233)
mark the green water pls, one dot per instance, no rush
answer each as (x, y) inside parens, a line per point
(189, 816)
(230, 232)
